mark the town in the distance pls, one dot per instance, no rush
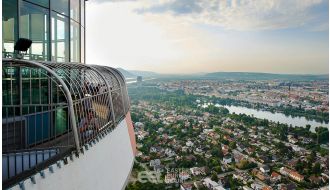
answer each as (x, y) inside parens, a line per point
(251, 131)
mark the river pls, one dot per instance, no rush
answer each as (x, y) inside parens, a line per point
(277, 117)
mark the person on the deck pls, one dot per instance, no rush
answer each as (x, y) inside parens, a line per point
(89, 126)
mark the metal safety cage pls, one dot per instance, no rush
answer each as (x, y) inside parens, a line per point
(53, 108)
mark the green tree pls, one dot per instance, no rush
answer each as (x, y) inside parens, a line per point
(214, 177)
(218, 169)
(232, 145)
(317, 169)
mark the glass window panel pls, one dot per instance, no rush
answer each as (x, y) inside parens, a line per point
(61, 120)
(15, 91)
(35, 91)
(82, 48)
(60, 38)
(60, 6)
(10, 112)
(44, 91)
(25, 110)
(9, 26)
(32, 109)
(6, 92)
(35, 73)
(54, 92)
(38, 108)
(26, 72)
(26, 91)
(4, 113)
(34, 26)
(75, 42)
(74, 10)
(82, 12)
(44, 3)
(10, 86)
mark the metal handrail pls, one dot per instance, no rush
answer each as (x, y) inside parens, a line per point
(66, 90)
(69, 79)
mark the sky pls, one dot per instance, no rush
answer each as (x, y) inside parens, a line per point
(199, 36)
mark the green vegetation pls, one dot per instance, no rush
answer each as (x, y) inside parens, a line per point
(245, 164)
(144, 186)
(181, 119)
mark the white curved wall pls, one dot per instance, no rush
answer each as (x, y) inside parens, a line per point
(106, 165)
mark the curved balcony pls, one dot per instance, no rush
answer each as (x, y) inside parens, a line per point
(51, 110)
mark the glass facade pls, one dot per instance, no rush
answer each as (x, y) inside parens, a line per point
(56, 28)
(60, 6)
(60, 38)
(9, 26)
(75, 42)
(34, 26)
(74, 10)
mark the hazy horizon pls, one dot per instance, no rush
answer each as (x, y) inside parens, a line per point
(196, 73)
(188, 37)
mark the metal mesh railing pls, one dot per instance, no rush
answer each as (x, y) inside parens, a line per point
(53, 108)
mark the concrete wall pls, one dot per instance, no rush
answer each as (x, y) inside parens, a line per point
(105, 165)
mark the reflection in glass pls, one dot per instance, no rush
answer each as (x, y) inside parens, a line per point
(60, 6)
(60, 38)
(74, 10)
(41, 2)
(82, 15)
(34, 26)
(9, 26)
(10, 86)
(75, 42)
(82, 48)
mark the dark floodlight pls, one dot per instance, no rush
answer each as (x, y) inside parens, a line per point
(22, 44)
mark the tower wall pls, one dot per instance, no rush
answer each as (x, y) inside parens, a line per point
(105, 165)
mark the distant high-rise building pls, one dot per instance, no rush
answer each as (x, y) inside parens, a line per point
(66, 124)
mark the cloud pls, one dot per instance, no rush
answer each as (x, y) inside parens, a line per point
(243, 14)
(174, 37)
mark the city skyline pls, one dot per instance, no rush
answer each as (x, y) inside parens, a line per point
(184, 37)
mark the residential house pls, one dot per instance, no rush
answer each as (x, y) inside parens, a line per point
(296, 176)
(290, 186)
(184, 175)
(155, 162)
(315, 180)
(198, 151)
(186, 186)
(265, 169)
(227, 159)
(256, 186)
(267, 188)
(197, 171)
(258, 174)
(275, 177)
(250, 150)
(292, 174)
(238, 157)
(209, 183)
(240, 147)
(189, 144)
(169, 152)
(293, 140)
